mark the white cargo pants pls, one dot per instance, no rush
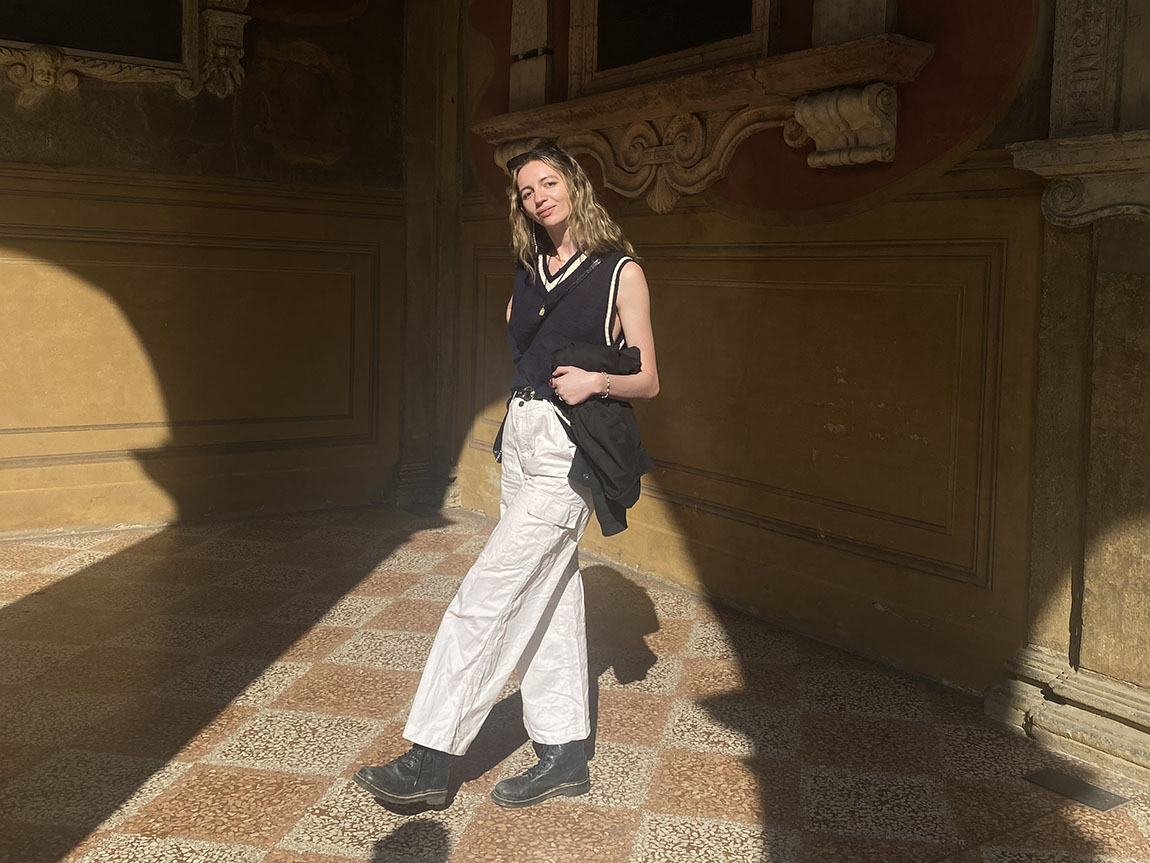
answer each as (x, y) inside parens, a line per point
(520, 606)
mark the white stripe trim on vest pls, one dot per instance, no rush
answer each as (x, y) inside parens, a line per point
(611, 298)
(567, 269)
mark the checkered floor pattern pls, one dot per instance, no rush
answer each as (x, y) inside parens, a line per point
(202, 694)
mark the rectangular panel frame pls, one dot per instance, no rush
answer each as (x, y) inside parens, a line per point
(958, 550)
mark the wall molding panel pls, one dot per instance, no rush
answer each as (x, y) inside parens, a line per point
(161, 320)
(939, 521)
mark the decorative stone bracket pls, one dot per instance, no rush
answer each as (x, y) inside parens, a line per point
(212, 47)
(676, 137)
(1091, 177)
(849, 126)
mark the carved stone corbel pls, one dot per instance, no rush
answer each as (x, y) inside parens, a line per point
(212, 52)
(1091, 177)
(851, 126)
(221, 72)
(1079, 200)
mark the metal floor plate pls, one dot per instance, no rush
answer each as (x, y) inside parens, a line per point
(1076, 789)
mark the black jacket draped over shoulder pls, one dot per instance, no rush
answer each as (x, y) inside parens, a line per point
(609, 456)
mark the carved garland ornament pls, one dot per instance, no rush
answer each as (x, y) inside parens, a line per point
(216, 69)
(666, 158)
(671, 157)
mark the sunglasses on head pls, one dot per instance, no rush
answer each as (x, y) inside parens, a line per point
(549, 148)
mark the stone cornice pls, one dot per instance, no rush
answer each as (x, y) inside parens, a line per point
(1091, 177)
(1118, 153)
(675, 137)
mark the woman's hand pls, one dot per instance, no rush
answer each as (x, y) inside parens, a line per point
(574, 385)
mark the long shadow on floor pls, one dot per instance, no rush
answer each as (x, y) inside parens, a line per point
(125, 649)
(856, 761)
(126, 652)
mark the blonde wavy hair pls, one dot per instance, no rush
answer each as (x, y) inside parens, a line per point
(591, 227)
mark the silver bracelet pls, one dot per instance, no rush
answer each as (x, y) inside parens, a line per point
(608, 393)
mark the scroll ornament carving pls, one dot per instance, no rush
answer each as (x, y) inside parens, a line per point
(671, 157)
(851, 126)
(676, 135)
(684, 154)
(666, 158)
(1091, 177)
(44, 67)
(1073, 201)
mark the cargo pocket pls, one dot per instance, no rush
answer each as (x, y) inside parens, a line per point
(552, 510)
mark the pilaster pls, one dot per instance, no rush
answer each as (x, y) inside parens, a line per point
(425, 476)
(1082, 683)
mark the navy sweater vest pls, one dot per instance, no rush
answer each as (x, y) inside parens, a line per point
(586, 313)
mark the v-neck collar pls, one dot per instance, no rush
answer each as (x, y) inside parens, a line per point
(549, 281)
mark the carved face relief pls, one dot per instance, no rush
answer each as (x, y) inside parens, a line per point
(42, 65)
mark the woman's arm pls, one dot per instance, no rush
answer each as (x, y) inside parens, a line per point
(575, 385)
(509, 302)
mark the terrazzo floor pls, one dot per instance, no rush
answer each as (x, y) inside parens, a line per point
(203, 694)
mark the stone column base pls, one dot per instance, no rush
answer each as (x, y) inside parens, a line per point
(1079, 712)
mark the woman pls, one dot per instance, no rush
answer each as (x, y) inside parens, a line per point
(521, 605)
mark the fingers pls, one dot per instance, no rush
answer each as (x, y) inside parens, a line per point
(573, 385)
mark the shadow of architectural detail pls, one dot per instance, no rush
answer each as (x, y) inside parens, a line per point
(209, 689)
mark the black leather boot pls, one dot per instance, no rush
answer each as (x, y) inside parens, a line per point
(562, 769)
(418, 776)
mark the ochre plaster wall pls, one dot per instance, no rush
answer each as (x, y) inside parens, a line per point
(1061, 448)
(844, 431)
(180, 348)
(203, 298)
(1115, 602)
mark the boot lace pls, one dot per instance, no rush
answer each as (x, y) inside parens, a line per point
(546, 761)
(411, 758)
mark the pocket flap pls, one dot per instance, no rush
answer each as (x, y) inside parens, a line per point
(553, 510)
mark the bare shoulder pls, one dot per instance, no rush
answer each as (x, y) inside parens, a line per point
(632, 282)
(631, 270)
